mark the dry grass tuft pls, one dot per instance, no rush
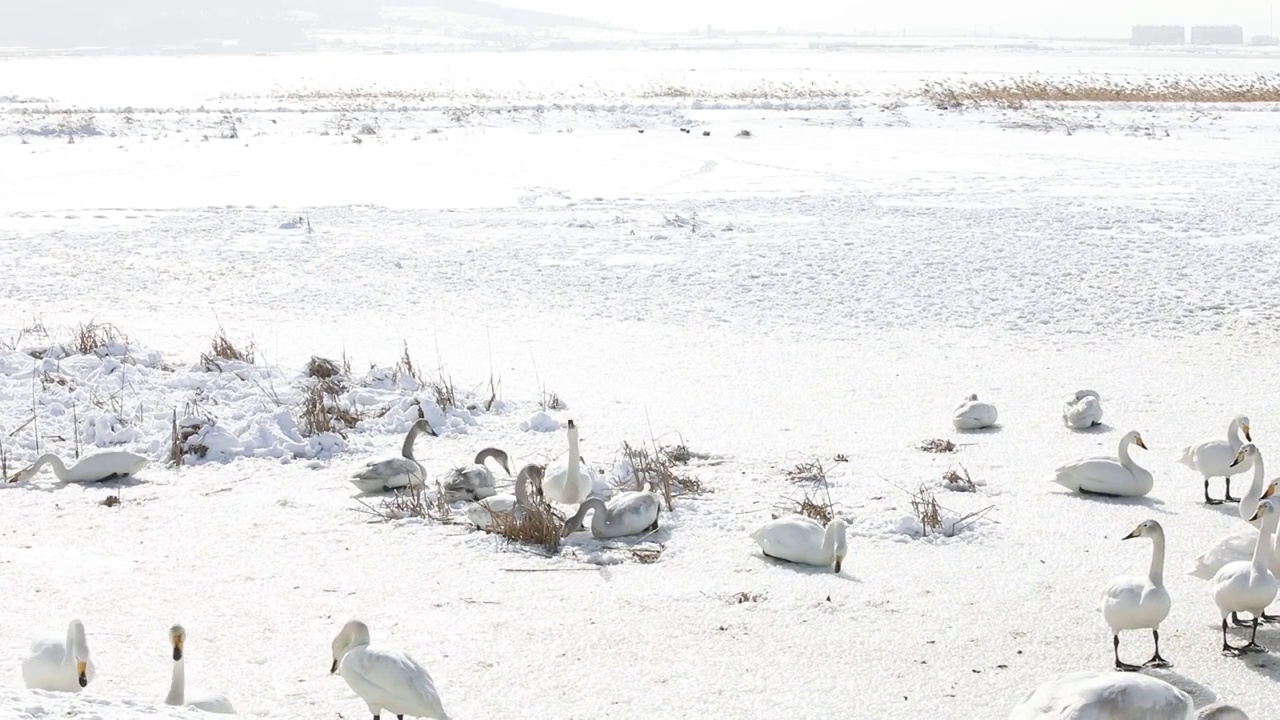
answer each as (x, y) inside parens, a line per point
(815, 503)
(90, 338)
(176, 454)
(111, 500)
(549, 400)
(222, 349)
(1015, 93)
(4, 465)
(841, 457)
(647, 555)
(540, 526)
(938, 446)
(658, 469)
(746, 597)
(442, 387)
(323, 410)
(405, 366)
(958, 481)
(743, 133)
(411, 502)
(811, 472)
(322, 368)
(926, 509)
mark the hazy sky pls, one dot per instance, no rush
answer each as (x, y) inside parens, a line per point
(1110, 18)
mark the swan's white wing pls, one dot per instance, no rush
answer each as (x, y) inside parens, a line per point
(213, 704)
(393, 680)
(1238, 546)
(1105, 696)
(393, 473)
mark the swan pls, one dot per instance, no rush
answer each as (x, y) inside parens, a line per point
(1213, 458)
(801, 539)
(384, 679)
(565, 481)
(177, 687)
(973, 415)
(1112, 696)
(481, 513)
(629, 513)
(475, 482)
(1237, 547)
(1118, 476)
(1083, 410)
(110, 465)
(381, 475)
(1133, 602)
(57, 665)
(1248, 585)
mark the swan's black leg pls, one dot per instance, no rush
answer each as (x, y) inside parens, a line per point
(1253, 646)
(1115, 643)
(652, 527)
(1227, 649)
(1208, 500)
(1270, 619)
(1227, 496)
(1156, 661)
(1235, 620)
(399, 717)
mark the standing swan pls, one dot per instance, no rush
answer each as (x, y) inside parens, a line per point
(1239, 546)
(1213, 458)
(1099, 696)
(475, 482)
(802, 540)
(384, 679)
(1249, 586)
(1083, 410)
(110, 465)
(1119, 476)
(177, 686)
(565, 482)
(481, 513)
(630, 513)
(1137, 603)
(973, 415)
(58, 666)
(398, 472)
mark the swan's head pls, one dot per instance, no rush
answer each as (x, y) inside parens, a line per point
(1082, 394)
(973, 397)
(80, 651)
(423, 426)
(177, 636)
(1272, 487)
(1148, 528)
(1248, 450)
(499, 456)
(1135, 437)
(1265, 508)
(81, 677)
(1243, 422)
(353, 634)
(838, 526)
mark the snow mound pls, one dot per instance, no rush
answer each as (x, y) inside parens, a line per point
(540, 422)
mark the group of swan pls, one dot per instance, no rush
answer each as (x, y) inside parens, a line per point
(1082, 411)
(384, 679)
(61, 666)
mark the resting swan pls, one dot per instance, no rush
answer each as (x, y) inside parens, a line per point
(1083, 410)
(1213, 458)
(481, 513)
(475, 482)
(565, 481)
(381, 475)
(177, 686)
(1248, 585)
(384, 679)
(1119, 476)
(973, 415)
(59, 666)
(1115, 696)
(629, 513)
(802, 540)
(98, 467)
(1134, 602)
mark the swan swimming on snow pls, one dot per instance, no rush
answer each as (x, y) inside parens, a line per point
(57, 665)
(384, 679)
(1214, 458)
(110, 465)
(1083, 410)
(1248, 585)
(565, 481)
(629, 513)
(403, 471)
(1115, 696)
(1133, 602)
(481, 513)
(475, 482)
(973, 414)
(802, 540)
(1119, 476)
(177, 687)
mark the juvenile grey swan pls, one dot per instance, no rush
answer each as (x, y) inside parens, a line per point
(404, 471)
(475, 482)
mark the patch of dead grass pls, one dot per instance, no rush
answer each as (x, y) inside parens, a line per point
(539, 526)
(1015, 93)
(662, 469)
(938, 446)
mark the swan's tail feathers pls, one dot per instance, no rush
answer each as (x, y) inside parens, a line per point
(1064, 478)
(1202, 571)
(1188, 457)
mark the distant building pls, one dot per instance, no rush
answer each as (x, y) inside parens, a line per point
(1217, 35)
(1158, 35)
(1263, 40)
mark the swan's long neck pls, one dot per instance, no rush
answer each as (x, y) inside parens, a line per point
(409, 439)
(573, 454)
(177, 686)
(1156, 573)
(1262, 550)
(522, 488)
(1123, 452)
(1249, 503)
(75, 644)
(52, 461)
(599, 521)
(829, 543)
(1233, 435)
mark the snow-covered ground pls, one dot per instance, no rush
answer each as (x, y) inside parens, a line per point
(832, 284)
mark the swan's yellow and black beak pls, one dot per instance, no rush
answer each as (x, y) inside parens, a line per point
(1271, 490)
(177, 637)
(839, 562)
(1247, 437)
(1239, 458)
(80, 673)
(1137, 532)
(1257, 513)
(1139, 443)
(334, 668)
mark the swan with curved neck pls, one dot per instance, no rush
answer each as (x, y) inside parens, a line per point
(1213, 458)
(1249, 586)
(1250, 455)
(60, 666)
(630, 513)
(403, 471)
(802, 540)
(110, 465)
(565, 482)
(1239, 546)
(178, 684)
(475, 482)
(1139, 603)
(1083, 410)
(1117, 476)
(384, 679)
(480, 513)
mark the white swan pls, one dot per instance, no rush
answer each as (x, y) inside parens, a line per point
(1237, 547)
(628, 513)
(384, 679)
(57, 665)
(1114, 696)
(481, 513)
(801, 539)
(1083, 410)
(1214, 458)
(403, 471)
(565, 481)
(1250, 456)
(1133, 602)
(1248, 586)
(98, 467)
(973, 415)
(475, 482)
(177, 686)
(1118, 476)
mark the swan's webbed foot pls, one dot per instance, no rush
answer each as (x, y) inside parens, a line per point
(1126, 667)
(1229, 651)
(1252, 647)
(1156, 662)
(1269, 619)
(653, 527)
